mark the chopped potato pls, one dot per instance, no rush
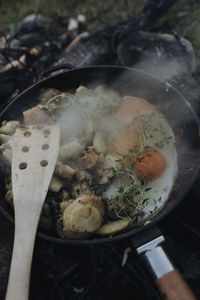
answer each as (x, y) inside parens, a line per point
(81, 217)
(55, 185)
(37, 115)
(65, 204)
(81, 89)
(64, 171)
(114, 227)
(70, 234)
(88, 160)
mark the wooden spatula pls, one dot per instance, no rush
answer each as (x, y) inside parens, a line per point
(35, 151)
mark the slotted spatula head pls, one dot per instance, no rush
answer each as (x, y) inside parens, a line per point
(35, 150)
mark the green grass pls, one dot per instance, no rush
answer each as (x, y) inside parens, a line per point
(184, 17)
(98, 13)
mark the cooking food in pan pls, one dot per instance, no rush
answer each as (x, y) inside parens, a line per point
(117, 160)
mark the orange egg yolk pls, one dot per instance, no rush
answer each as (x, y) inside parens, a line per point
(150, 165)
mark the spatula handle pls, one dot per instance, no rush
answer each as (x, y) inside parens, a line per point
(19, 277)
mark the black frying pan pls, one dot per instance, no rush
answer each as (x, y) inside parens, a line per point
(171, 103)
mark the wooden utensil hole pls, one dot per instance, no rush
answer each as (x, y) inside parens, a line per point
(23, 166)
(44, 163)
(47, 131)
(39, 127)
(27, 133)
(45, 146)
(25, 149)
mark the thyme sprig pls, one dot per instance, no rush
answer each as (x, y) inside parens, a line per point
(131, 200)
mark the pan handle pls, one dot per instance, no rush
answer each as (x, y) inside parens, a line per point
(169, 281)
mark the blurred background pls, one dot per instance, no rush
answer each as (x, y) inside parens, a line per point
(29, 47)
(183, 17)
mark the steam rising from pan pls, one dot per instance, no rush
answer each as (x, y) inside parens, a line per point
(94, 112)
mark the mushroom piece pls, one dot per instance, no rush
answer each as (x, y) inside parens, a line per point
(88, 160)
(56, 103)
(4, 138)
(47, 94)
(80, 188)
(105, 171)
(99, 142)
(6, 153)
(9, 193)
(64, 171)
(70, 150)
(9, 197)
(55, 185)
(9, 127)
(84, 176)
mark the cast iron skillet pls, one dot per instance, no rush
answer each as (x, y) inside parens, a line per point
(126, 81)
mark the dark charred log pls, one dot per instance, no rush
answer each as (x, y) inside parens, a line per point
(156, 53)
(41, 43)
